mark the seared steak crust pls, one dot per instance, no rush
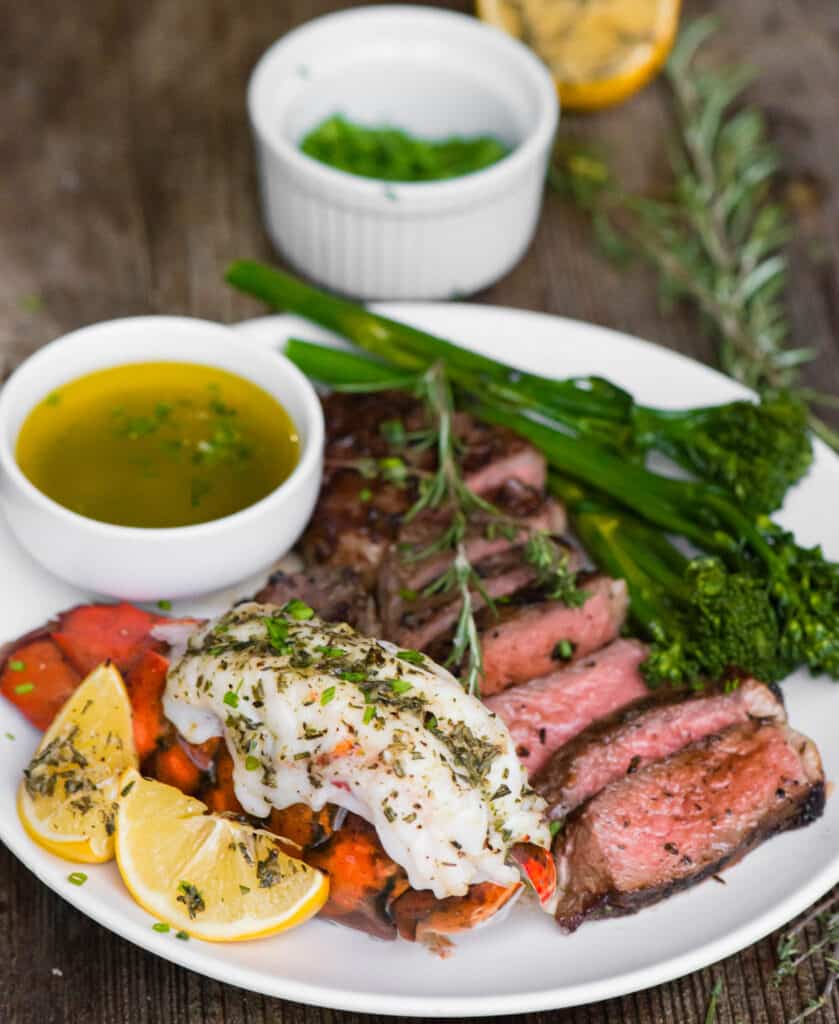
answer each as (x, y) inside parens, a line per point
(649, 730)
(335, 592)
(678, 821)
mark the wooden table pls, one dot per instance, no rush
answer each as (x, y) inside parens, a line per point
(128, 184)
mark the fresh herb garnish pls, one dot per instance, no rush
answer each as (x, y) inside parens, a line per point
(298, 610)
(563, 650)
(369, 714)
(414, 657)
(127, 788)
(182, 935)
(327, 696)
(401, 685)
(16, 665)
(252, 763)
(277, 630)
(192, 899)
(164, 605)
(77, 877)
(231, 699)
(22, 688)
(160, 926)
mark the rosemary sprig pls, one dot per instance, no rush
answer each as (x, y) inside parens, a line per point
(717, 238)
(445, 489)
(792, 955)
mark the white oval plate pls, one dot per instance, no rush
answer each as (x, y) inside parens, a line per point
(524, 963)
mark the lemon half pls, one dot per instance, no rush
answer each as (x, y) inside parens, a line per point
(208, 875)
(68, 799)
(600, 52)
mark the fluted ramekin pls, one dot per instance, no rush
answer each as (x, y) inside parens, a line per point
(432, 73)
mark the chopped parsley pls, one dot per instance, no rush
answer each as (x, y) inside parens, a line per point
(555, 827)
(191, 899)
(252, 763)
(22, 688)
(369, 713)
(77, 877)
(182, 935)
(401, 686)
(327, 696)
(268, 870)
(365, 494)
(164, 605)
(160, 926)
(16, 665)
(128, 788)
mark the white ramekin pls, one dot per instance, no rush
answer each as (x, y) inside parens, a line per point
(149, 564)
(433, 73)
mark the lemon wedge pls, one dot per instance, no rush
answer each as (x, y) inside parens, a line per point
(208, 875)
(600, 52)
(68, 798)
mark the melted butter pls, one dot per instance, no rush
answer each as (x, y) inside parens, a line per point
(157, 444)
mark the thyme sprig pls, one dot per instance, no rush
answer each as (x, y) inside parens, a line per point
(717, 237)
(792, 954)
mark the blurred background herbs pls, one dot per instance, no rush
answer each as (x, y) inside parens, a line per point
(716, 237)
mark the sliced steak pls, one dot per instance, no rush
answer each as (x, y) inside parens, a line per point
(336, 593)
(649, 730)
(427, 623)
(681, 820)
(547, 712)
(359, 511)
(533, 640)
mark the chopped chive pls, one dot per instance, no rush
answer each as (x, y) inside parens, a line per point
(353, 677)
(160, 926)
(252, 763)
(564, 650)
(231, 699)
(327, 696)
(128, 788)
(164, 605)
(369, 713)
(331, 652)
(414, 657)
(182, 935)
(24, 688)
(77, 877)
(298, 610)
(17, 666)
(401, 685)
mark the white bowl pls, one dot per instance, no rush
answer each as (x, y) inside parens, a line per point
(432, 73)
(148, 564)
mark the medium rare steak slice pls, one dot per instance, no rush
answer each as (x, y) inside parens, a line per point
(335, 592)
(531, 641)
(547, 712)
(427, 623)
(652, 729)
(679, 821)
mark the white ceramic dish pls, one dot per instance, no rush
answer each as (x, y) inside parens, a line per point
(139, 564)
(524, 963)
(433, 73)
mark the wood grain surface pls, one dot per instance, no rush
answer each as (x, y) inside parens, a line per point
(128, 184)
